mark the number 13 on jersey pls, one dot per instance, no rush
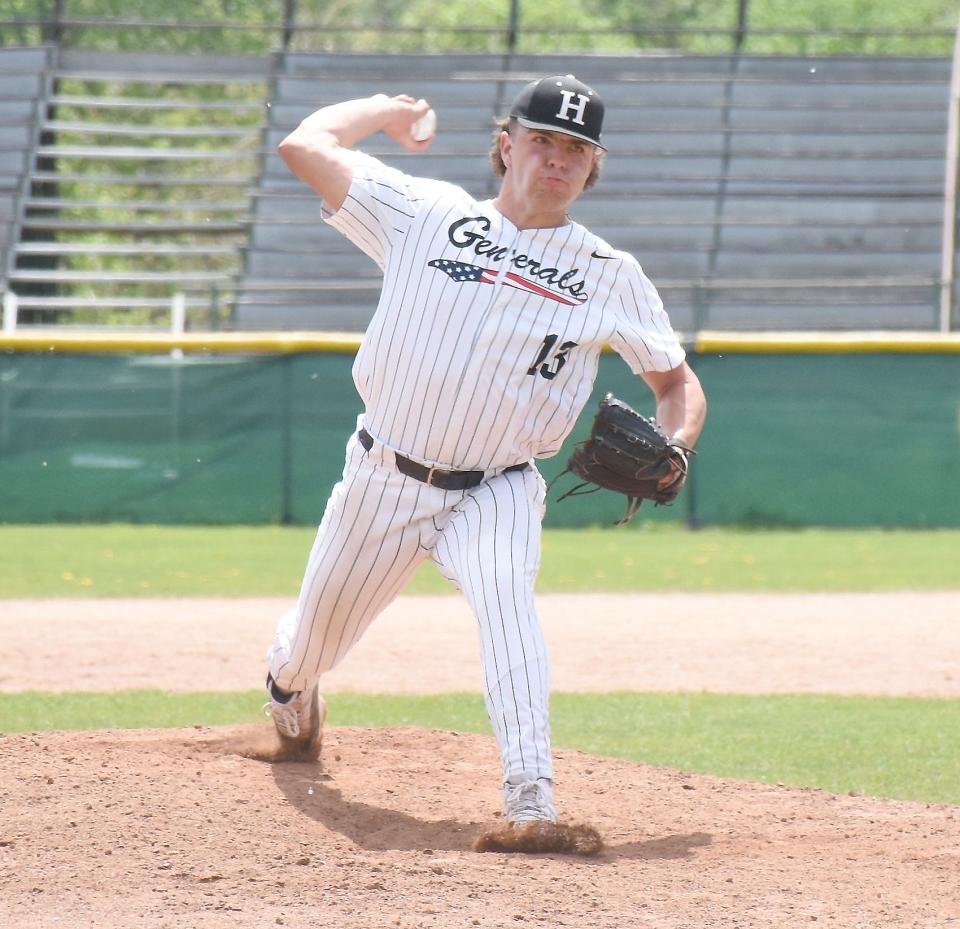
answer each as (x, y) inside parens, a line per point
(550, 369)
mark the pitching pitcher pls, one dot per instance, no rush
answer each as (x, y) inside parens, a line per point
(479, 358)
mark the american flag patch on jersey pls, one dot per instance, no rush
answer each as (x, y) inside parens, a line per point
(462, 271)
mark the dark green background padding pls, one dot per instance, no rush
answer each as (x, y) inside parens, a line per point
(792, 439)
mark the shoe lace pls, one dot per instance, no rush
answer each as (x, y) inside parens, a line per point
(527, 797)
(285, 717)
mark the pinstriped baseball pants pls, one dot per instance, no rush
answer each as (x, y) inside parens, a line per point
(377, 528)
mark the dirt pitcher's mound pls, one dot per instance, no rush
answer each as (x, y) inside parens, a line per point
(191, 829)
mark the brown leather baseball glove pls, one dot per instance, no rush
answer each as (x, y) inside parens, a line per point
(629, 454)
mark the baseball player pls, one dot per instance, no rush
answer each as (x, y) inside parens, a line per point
(478, 360)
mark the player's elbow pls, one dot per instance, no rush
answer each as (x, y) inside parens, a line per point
(302, 156)
(323, 165)
(288, 151)
(292, 149)
(306, 145)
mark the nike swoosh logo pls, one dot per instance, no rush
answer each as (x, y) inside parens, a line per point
(604, 257)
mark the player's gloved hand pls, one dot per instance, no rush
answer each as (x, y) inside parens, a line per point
(630, 454)
(678, 468)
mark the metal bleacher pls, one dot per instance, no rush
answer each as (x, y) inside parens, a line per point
(795, 192)
(757, 192)
(121, 213)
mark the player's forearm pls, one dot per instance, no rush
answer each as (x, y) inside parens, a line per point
(345, 124)
(682, 409)
(318, 151)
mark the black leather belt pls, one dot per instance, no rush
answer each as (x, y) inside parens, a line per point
(435, 477)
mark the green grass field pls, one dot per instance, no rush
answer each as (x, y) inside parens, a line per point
(892, 747)
(903, 748)
(154, 561)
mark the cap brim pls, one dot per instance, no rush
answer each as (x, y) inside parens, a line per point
(530, 124)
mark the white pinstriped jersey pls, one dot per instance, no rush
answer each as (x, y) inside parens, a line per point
(485, 344)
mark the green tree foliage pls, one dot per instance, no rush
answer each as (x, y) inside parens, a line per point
(697, 26)
(857, 27)
(222, 26)
(921, 27)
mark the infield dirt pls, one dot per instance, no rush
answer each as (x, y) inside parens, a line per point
(196, 829)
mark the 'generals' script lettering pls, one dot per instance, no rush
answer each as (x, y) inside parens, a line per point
(470, 232)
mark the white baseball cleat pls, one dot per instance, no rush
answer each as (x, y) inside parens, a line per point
(529, 801)
(298, 719)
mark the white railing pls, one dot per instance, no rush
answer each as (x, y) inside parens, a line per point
(9, 313)
(177, 304)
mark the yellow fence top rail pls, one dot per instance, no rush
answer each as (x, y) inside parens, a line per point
(819, 343)
(706, 342)
(195, 342)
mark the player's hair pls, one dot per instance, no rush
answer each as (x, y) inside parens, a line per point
(507, 125)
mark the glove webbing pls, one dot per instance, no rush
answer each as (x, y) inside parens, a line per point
(633, 503)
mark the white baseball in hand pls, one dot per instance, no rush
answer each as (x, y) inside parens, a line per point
(424, 127)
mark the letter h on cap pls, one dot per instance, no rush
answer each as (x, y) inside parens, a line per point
(568, 104)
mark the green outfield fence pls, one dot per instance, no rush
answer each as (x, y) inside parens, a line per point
(840, 430)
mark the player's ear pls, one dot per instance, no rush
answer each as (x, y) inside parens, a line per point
(506, 147)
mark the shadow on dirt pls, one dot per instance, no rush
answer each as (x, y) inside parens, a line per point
(309, 788)
(669, 848)
(374, 828)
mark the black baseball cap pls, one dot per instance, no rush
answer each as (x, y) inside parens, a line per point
(561, 104)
